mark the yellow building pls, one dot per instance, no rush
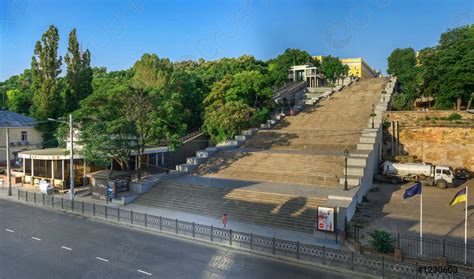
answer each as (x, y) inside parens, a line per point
(318, 57)
(357, 67)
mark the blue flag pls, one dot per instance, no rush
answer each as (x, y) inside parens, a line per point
(413, 190)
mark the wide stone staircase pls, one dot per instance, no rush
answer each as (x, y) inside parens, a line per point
(280, 167)
(278, 176)
(304, 149)
(267, 209)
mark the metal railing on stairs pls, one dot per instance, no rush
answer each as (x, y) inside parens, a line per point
(183, 139)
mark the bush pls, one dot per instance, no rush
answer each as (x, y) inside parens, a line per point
(382, 241)
(454, 116)
(260, 116)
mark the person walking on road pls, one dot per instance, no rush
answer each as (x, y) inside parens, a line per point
(224, 220)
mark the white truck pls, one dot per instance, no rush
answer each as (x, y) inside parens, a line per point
(439, 176)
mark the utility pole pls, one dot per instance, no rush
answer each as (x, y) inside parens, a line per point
(8, 163)
(71, 158)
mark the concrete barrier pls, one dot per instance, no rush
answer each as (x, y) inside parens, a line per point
(195, 160)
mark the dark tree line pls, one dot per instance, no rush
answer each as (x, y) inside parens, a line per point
(445, 71)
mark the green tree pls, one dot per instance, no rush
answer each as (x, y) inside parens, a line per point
(402, 63)
(216, 99)
(250, 87)
(454, 66)
(227, 121)
(118, 119)
(191, 90)
(445, 71)
(46, 67)
(216, 70)
(138, 105)
(169, 119)
(333, 68)
(79, 73)
(17, 93)
(19, 101)
(105, 132)
(151, 72)
(246, 91)
(278, 67)
(426, 79)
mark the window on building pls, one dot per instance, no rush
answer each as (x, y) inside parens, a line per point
(24, 135)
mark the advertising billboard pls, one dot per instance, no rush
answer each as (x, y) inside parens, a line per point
(326, 219)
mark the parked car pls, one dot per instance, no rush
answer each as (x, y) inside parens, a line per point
(462, 173)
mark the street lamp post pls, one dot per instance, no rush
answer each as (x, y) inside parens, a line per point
(346, 154)
(71, 154)
(9, 179)
(373, 116)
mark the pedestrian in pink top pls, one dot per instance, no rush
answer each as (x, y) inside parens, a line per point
(224, 220)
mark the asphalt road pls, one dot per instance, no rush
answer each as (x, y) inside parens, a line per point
(39, 243)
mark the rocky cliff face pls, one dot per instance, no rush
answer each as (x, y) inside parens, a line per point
(433, 140)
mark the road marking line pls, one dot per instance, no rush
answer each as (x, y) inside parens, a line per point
(144, 272)
(102, 259)
(35, 238)
(67, 248)
(8, 230)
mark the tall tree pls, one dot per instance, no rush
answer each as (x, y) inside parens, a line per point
(455, 66)
(79, 73)
(402, 63)
(105, 132)
(46, 84)
(151, 72)
(138, 107)
(46, 67)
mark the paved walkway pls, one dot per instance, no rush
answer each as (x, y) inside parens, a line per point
(200, 219)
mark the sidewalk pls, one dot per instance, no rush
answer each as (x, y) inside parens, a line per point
(198, 219)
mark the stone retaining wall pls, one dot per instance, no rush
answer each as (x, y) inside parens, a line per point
(437, 142)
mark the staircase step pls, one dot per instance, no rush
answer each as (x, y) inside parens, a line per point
(269, 209)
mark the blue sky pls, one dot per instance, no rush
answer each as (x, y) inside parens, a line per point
(119, 32)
